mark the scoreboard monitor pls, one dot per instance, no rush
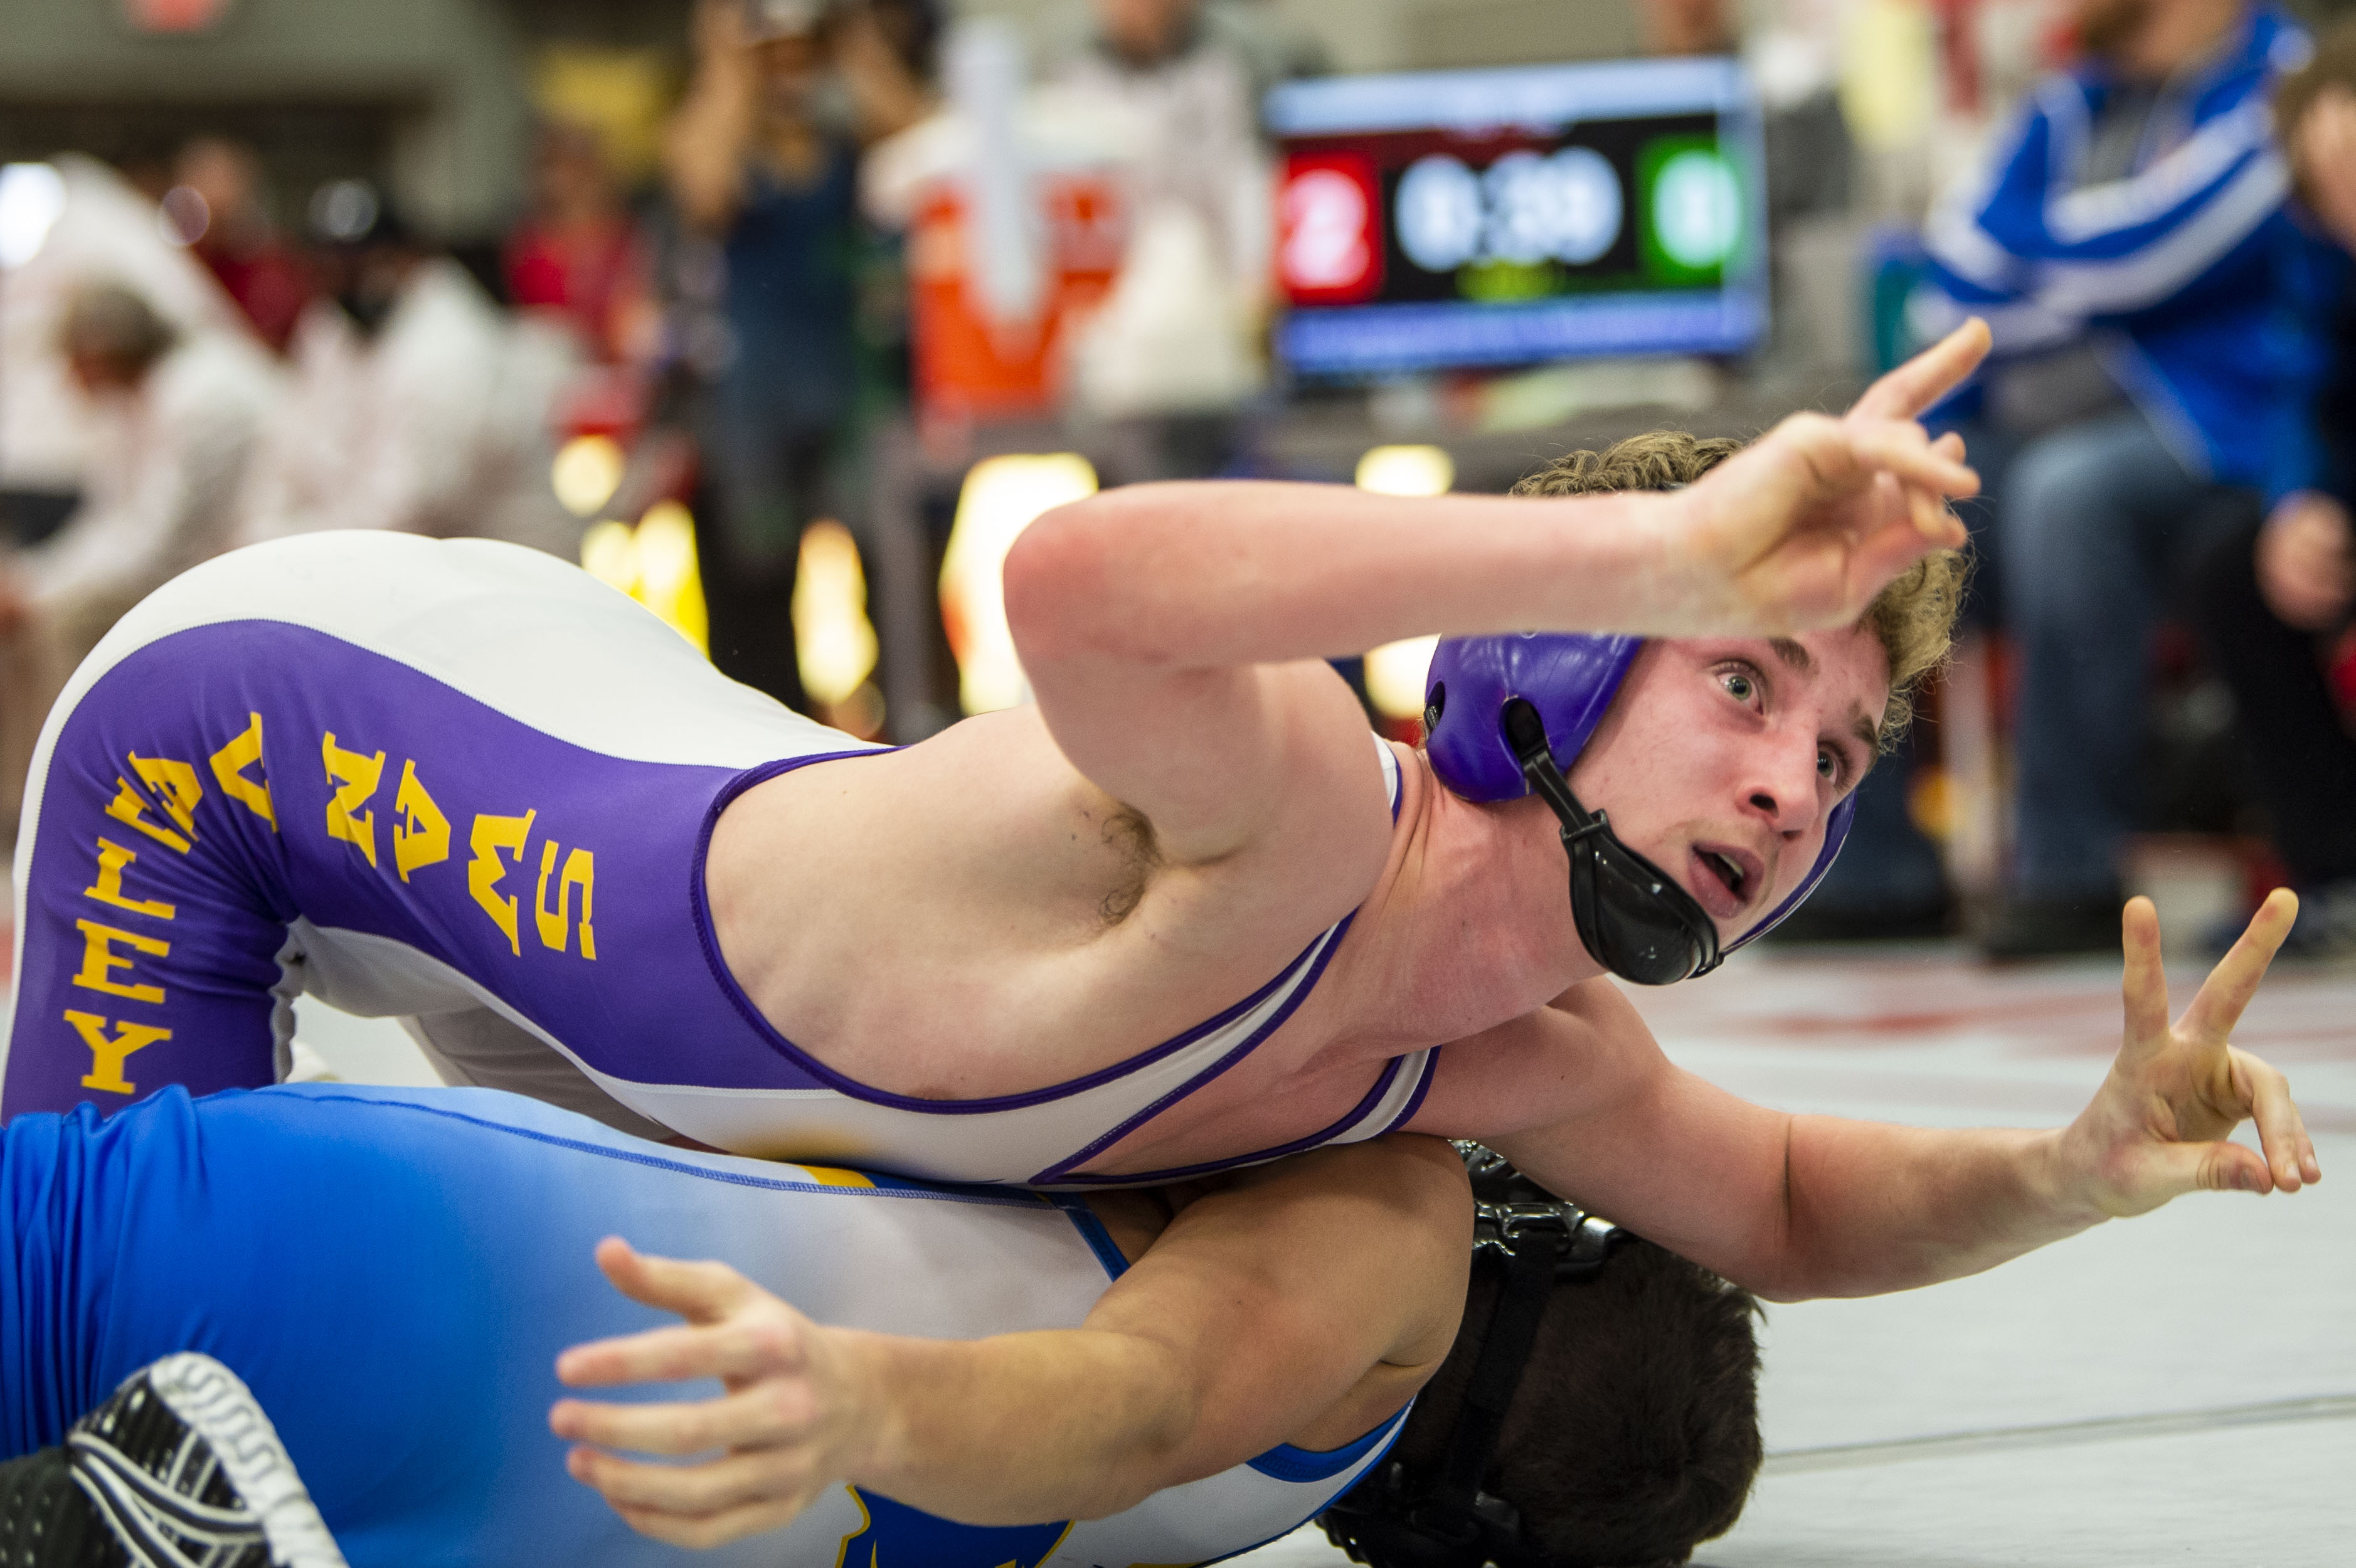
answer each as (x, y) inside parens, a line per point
(1443, 218)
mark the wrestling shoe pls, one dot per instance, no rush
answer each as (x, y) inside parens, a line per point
(179, 1468)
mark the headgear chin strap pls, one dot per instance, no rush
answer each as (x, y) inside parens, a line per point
(1392, 1520)
(1631, 914)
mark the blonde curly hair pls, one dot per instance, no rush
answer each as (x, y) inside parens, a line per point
(1915, 616)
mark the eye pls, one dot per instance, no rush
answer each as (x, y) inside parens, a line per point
(1739, 684)
(1828, 765)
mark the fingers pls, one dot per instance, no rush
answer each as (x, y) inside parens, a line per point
(1900, 448)
(2231, 984)
(699, 1292)
(715, 1529)
(1930, 375)
(2145, 989)
(749, 1348)
(700, 1505)
(2289, 1152)
(768, 1412)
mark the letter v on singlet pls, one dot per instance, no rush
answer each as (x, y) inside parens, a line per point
(229, 765)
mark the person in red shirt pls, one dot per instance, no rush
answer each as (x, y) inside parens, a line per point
(577, 254)
(235, 238)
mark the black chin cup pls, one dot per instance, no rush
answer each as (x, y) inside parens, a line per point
(1632, 915)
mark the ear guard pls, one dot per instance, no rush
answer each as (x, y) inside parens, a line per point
(1505, 716)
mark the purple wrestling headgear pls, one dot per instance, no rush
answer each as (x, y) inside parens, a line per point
(1562, 683)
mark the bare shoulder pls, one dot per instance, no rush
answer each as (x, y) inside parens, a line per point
(1580, 1054)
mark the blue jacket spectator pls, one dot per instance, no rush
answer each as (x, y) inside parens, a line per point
(2163, 266)
(2125, 236)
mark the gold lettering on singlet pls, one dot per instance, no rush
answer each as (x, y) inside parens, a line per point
(106, 1056)
(486, 839)
(354, 775)
(421, 835)
(99, 961)
(174, 786)
(113, 861)
(580, 870)
(229, 766)
(130, 807)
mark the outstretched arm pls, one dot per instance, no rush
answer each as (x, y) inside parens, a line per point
(1164, 627)
(1325, 1286)
(1794, 1206)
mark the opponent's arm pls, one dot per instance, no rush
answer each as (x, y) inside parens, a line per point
(1795, 1207)
(1164, 627)
(1283, 1295)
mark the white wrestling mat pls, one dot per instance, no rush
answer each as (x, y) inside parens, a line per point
(2180, 1388)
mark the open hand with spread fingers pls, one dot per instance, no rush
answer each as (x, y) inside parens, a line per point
(791, 1423)
(2158, 1125)
(1801, 529)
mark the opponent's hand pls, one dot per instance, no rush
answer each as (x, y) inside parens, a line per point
(2158, 1126)
(790, 1424)
(1802, 529)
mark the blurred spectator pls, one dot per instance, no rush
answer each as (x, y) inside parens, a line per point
(577, 255)
(2277, 595)
(2119, 239)
(762, 161)
(178, 417)
(231, 234)
(1180, 334)
(417, 406)
(1808, 150)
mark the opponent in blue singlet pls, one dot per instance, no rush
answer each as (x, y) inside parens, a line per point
(462, 783)
(393, 1272)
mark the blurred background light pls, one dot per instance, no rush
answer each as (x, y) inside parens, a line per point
(999, 498)
(1407, 471)
(1396, 671)
(345, 209)
(654, 564)
(1395, 676)
(586, 472)
(31, 197)
(833, 640)
(669, 583)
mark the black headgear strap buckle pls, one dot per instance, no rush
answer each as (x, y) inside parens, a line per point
(1631, 914)
(1455, 1523)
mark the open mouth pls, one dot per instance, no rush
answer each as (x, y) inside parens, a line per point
(1726, 871)
(1726, 879)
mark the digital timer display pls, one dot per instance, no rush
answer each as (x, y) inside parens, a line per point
(1472, 217)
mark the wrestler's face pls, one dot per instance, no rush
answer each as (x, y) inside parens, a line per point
(1723, 757)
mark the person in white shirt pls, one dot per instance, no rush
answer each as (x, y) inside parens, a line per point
(418, 408)
(177, 414)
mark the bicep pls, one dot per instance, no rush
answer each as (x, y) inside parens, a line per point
(1219, 760)
(1277, 1296)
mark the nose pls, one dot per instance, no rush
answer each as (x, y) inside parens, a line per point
(1783, 793)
